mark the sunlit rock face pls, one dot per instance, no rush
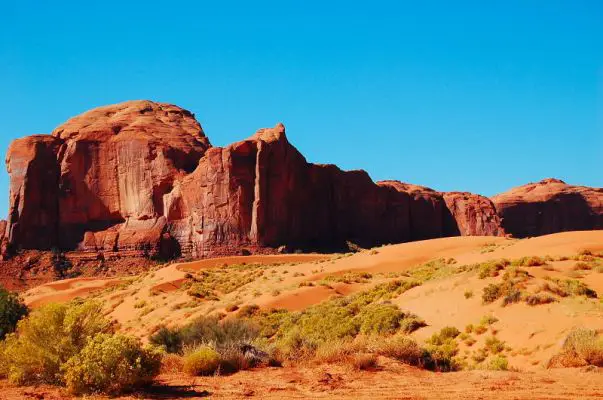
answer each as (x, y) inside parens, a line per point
(142, 177)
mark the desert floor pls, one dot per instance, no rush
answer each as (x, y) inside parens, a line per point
(533, 334)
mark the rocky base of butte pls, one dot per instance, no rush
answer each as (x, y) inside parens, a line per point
(141, 178)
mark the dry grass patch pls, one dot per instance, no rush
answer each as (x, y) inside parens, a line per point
(581, 347)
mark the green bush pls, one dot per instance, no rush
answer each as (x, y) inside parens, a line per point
(494, 345)
(539, 298)
(441, 349)
(49, 337)
(111, 364)
(381, 319)
(169, 338)
(491, 268)
(12, 310)
(491, 293)
(488, 320)
(202, 361)
(577, 288)
(529, 262)
(498, 363)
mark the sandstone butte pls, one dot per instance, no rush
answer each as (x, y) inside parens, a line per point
(142, 177)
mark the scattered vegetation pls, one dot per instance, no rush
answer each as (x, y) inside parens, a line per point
(498, 363)
(441, 350)
(435, 269)
(75, 345)
(532, 261)
(490, 269)
(210, 283)
(350, 277)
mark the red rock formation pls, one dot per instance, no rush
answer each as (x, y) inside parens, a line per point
(550, 206)
(105, 169)
(435, 214)
(471, 215)
(142, 177)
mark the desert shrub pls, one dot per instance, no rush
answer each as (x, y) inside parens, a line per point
(201, 361)
(169, 338)
(380, 319)
(494, 345)
(585, 345)
(441, 349)
(491, 293)
(172, 363)
(435, 269)
(554, 289)
(226, 279)
(479, 329)
(364, 361)
(529, 262)
(337, 351)
(401, 348)
(480, 355)
(350, 277)
(468, 294)
(205, 330)
(233, 359)
(248, 310)
(576, 288)
(491, 268)
(582, 266)
(539, 298)
(411, 323)
(61, 264)
(509, 288)
(49, 337)
(488, 320)
(12, 310)
(201, 291)
(111, 364)
(498, 363)
(514, 296)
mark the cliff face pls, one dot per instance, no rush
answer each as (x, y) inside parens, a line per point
(550, 206)
(142, 176)
(98, 180)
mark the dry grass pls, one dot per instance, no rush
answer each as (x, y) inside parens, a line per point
(364, 362)
(171, 363)
(581, 347)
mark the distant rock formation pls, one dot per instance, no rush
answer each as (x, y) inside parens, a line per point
(142, 177)
(550, 206)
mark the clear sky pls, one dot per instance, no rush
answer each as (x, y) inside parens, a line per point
(476, 96)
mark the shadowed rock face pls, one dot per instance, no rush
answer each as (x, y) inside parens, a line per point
(143, 176)
(436, 214)
(550, 206)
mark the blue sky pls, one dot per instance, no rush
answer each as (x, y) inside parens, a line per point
(476, 96)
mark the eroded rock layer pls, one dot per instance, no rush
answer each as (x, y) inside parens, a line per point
(142, 176)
